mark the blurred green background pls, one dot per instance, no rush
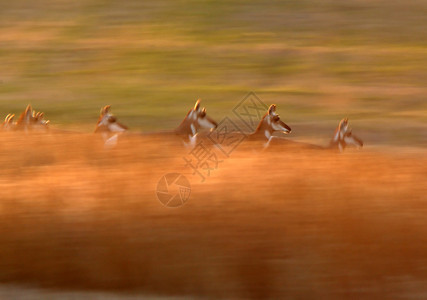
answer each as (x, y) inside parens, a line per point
(318, 60)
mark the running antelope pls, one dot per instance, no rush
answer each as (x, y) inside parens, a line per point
(28, 121)
(188, 130)
(9, 124)
(269, 124)
(195, 120)
(343, 137)
(108, 126)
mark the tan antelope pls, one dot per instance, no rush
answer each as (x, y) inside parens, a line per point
(195, 120)
(187, 131)
(262, 136)
(108, 127)
(343, 137)
(29, 120)
(9, 124)
(270, 123)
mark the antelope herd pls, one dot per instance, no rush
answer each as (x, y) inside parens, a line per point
(189, 129)
(29, 120)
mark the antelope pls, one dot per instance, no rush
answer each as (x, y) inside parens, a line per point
(261, 137)
(269, 124)
(108, 126)
(29, 120)
(343, 137)
(9, 124)
(188, 130)
(195, 120)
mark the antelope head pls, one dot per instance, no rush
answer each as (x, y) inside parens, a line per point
(271, 123)
(344, 137)
(38, 119)
(200, 119)
(31, 119)
(195, 119)
(109, 128)
(8, 123)
(107, 122)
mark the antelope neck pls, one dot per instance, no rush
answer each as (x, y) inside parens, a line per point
(263, 131)
(187, 127)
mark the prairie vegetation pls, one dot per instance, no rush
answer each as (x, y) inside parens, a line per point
(278, 224)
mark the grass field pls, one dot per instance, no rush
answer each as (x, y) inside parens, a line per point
(280, 224)
(318, 62)
(285, 224)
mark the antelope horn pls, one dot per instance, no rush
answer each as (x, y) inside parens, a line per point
(197, 105)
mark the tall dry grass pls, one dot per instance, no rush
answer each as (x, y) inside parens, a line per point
(278, 224)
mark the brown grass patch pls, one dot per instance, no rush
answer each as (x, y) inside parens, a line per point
(277, 224)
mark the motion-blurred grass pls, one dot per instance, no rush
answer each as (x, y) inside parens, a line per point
(285, 224)
(319, 61)
(296, 224)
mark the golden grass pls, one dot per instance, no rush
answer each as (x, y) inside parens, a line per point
(277, 224)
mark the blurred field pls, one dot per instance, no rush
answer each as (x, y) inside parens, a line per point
(319, 62)
(280, 224)
(274, 225)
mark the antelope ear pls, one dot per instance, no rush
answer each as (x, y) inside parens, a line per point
(197, 105)
(204, 110)
(28, 112)
(272, 109)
